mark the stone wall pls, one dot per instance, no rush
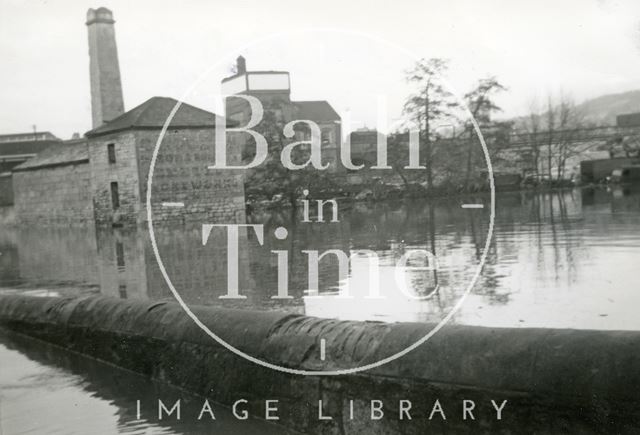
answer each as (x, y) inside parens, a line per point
(554, 381)
(124, 172)
(57, 195)
(181, 175)
(79, 193)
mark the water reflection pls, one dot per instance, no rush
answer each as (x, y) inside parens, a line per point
(45, 389)
(561, 259)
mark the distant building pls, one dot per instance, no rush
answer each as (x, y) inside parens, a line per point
(273, 89)
(364, 146)
(16, 149)
(628, 120)
(593, 171)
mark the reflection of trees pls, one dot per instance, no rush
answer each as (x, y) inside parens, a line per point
(489, 282)
(538, 231)
(432, 240)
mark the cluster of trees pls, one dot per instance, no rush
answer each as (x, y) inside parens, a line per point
(552, 136)
(455, 161)
(548, 137)
(272, 180)
(560, 131)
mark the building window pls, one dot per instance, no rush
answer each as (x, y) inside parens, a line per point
(115, 197)
(119, 254)
(122, 290)
(111, 152)
(327, 136)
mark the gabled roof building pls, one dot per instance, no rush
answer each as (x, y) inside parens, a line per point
(273, 89)
(103, 178)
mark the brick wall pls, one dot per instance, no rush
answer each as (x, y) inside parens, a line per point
(59, 195)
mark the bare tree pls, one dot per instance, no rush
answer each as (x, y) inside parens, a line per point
(430, 102)
(555, 132)
(570, 120)
(551, 118)
(481, 104)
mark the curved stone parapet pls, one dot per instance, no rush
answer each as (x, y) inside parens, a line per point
(588, 379)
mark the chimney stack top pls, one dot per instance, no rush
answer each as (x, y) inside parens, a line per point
(100, 15)
(241, 65)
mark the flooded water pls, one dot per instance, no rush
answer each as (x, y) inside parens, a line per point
(44, 389)
(562, 259)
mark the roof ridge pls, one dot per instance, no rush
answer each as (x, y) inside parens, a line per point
(147, 105)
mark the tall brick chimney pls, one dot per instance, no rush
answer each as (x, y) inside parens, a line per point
(106, 88)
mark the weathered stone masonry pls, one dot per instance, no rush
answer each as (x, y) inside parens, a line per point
(181, 173)
(555, 381)
(104, 179)
(123, 171)
(54, 188)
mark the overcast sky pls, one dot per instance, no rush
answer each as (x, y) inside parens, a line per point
(584, 47)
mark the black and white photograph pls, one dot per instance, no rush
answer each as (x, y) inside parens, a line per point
(326, 218)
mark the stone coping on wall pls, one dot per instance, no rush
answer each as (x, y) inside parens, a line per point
(595, 372)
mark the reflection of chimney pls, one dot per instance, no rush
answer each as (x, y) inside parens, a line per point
(241, 65)
(106, 88)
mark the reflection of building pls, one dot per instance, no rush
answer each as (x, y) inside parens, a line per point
(104, 176)
(273, 89)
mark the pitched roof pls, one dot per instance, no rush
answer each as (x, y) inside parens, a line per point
(66, 153)
(317, 111)
(153, 113)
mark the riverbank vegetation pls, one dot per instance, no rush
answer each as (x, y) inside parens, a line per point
(456, 136)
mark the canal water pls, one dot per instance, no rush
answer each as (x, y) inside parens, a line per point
(561, 259)
(557, 259)
(48, 390)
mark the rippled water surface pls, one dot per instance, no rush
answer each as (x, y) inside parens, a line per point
(565, 259)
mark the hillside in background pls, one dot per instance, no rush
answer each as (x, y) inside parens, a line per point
(599, 111)
(604, 109)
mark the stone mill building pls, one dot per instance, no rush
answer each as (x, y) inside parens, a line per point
(103, 176)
